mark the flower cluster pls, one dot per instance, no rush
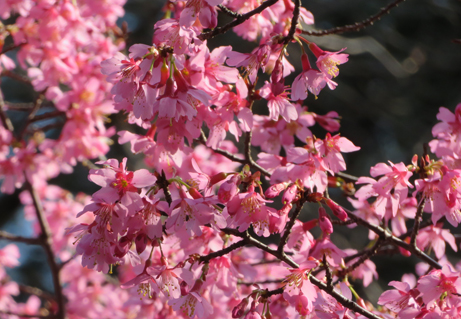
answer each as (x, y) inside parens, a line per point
(216, 224)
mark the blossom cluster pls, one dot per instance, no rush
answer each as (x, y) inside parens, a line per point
(185, 236)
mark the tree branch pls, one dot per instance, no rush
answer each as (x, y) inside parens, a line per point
(294, 22)
(20, 239)
(387, 235)
(46, 238)
(289, 225)
(5, 119)
(356, 26)
(419, 213)
(239, 20)
(222, 252)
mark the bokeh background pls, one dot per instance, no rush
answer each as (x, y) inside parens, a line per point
(400, 71)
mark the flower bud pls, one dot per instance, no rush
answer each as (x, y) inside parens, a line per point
(285, 209)
(305, 62)
(275, 190)
(290, 194)
(336, 209)
(164, 74)
(252, 314)
(316, 50)
(141, 242)
(310, 224)
(195, 193)
(122, 247)
(325, 222)
(239, 310)
(217, 178)
(227, 190)
(184, 288)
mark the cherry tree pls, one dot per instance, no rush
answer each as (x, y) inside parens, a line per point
(211, 227)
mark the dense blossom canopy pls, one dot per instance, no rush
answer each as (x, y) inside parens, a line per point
(183, 237)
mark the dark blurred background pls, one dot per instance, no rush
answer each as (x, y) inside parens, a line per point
(400, 71)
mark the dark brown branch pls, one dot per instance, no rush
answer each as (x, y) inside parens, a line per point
(387, 235)
(269, 293)
(47, 115)
(11, 47)
(294, 22)
(202, 140)
(20, 239)
(348, 177)
(367, 254)
(340, 298)
(27, 316)
(36, 128)
(263, 282)
(289, 225)
(229, 12)
(222, 252)
(237, 21)
(422, 225)
(5, 119)
(46, 238)
(16, 77)
(19, 106)
(356, 26)
(419, 214)
(33, 112)
(163, 183)
(37, 292)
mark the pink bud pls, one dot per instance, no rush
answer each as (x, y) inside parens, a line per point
(184, 288)
(239, 310)
(165, 73)
(252, 314)
(275, 190)
(195, 193)
(290, 194)
(310, 224)
(217, 178)
(122, 246)
(316, 50)
(226, 191)
(305, 62)
(285, 209)
(336, 209)
(325, 222)
(141, 242)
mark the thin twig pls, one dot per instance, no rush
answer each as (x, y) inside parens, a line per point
(5, 119)
(340, 298)
(33, 112)
(229, 12)
(289, 225)
(11, 47)
(294, 22)
(222, 252)
(203, 140)
(47, 115)
(47, 243)
(37, 292)
(237, 21)
(356, 26)
(27, 316)
(367, 254)
(387, 235)
(20, 239)
(418, 216)
(345, 176)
